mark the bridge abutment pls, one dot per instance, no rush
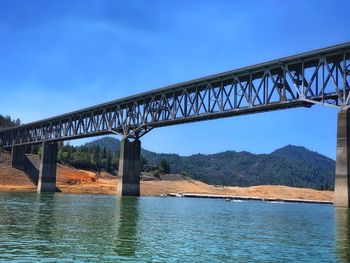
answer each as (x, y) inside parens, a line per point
(47, 174)
(17, 157)
(342, 171)
(130, 167)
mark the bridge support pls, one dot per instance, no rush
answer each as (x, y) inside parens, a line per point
(342, 171)
(17, 157)
(130, 166)
(47, 174)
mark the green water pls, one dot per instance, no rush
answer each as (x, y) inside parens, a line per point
(99, 228)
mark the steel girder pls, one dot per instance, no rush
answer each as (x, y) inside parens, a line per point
(317, 77)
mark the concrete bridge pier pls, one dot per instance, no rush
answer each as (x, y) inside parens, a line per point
(342, 170)
(130, 166)
(47, 174)
(17, 157)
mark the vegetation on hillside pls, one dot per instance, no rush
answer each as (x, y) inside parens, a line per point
(247, 169)
(88, 157)
(100, 154)
(290, 165)
(110, 143)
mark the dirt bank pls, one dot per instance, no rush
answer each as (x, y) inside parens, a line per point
(71, 180)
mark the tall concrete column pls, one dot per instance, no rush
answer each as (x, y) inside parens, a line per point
(342, 170)
(47, 174)
(17, 157)
(130, 166)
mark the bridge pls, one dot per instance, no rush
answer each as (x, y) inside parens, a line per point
(318, 77)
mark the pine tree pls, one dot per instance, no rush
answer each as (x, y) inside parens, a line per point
(109, 161)
(97, 157)
(164, 166)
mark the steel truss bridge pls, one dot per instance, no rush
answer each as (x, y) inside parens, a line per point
(318, 77)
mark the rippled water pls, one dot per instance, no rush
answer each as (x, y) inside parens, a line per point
(91, 228)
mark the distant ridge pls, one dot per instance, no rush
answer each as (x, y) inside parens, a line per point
(299, 153)
(110, 143)
(290, 165)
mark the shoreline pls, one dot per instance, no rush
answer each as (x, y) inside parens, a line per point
(248, 198)
(183, 195)
(85, 189)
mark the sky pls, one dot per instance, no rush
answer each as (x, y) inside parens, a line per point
(60, 56)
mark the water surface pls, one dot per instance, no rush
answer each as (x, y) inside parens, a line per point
(90, 228)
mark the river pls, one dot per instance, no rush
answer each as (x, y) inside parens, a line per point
(102, 228)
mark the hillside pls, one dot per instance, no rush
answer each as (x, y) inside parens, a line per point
(291, 165)
(299, 153)
(72, 180)
(109, 143)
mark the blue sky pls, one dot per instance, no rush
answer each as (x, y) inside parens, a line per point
(60, 56)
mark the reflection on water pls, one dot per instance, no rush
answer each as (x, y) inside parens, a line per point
(45, 223)
(45, 217)
(126, 241)
(98, 228)
(342, 217)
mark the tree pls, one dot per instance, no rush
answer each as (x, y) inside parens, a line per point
(109, 161)
(40, 152)
(104, 153)
(143, 162)
(80, 159)
(164, 166)
(97, 156)
(6, 122)
(17, 122)
(34, 149)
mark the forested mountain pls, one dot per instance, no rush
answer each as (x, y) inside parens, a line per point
(109, 143)
(290, 165)
(299, 153)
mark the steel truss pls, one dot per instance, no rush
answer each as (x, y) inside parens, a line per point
(317, 77)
